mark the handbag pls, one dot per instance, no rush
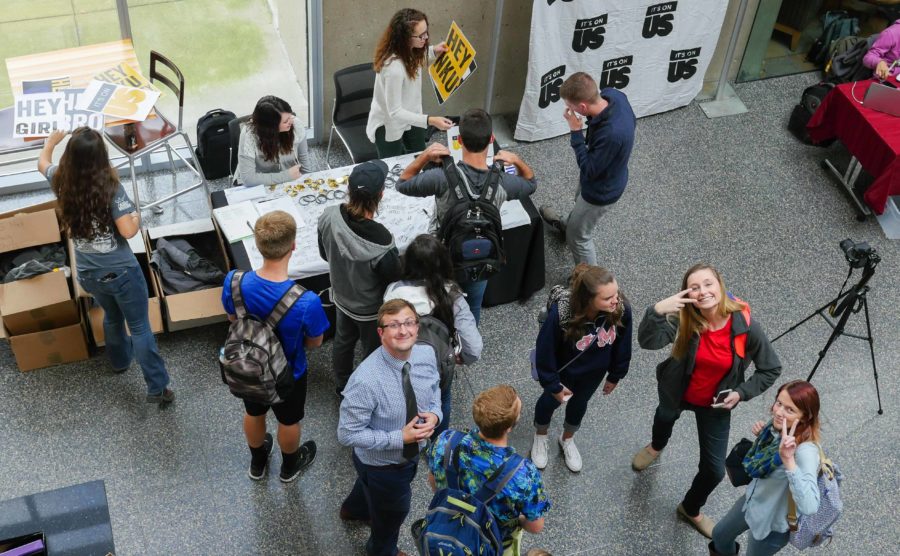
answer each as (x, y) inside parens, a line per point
(734, 466)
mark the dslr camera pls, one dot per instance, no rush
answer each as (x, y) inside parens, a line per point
(859, 254)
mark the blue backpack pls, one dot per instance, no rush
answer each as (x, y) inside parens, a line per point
(458, 523)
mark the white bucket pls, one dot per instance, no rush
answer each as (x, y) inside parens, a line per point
(890, 219)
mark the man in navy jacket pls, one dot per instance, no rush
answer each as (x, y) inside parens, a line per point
(602, 156)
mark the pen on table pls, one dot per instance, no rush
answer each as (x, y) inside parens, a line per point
(251, 227)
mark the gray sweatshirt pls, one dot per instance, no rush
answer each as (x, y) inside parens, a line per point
(253, 170)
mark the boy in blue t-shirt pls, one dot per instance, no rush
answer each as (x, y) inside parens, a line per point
(301, 328)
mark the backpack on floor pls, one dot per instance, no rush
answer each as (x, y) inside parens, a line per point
(835, 25)
(471, 229)
(816, 529)
(809, 102)
(253, 363)
(458, 523)
(214, 142)
(846, 61)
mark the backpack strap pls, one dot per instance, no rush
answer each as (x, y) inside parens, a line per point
(489, 193)
(451, 459)
(498, 480)
(236, 279)
(284, 304)
(455, 180)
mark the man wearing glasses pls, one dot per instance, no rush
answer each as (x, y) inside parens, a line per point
(391, 406)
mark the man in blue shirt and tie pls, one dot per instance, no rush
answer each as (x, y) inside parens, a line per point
(391, 406)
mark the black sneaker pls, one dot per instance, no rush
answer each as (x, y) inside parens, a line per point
(305, 456)
(258, 472)
(551, 217)
(166, 396)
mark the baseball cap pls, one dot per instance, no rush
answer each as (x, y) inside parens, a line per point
(368, 178)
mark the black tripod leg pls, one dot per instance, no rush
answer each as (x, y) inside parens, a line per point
(872, 353)
(814, 313)
(838, 330)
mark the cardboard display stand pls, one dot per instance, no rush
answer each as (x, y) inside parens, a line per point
(201, 307)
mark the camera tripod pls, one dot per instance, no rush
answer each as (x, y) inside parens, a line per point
(845, 304)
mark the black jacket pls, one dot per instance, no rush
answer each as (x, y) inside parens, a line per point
(673, 375)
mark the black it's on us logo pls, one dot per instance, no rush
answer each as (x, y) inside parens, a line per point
(589, 33)
(615, 72)
(550, 84)
(683, 64)
(659, 20)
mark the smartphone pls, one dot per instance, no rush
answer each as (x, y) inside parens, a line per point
(567, 398)
(719, 400)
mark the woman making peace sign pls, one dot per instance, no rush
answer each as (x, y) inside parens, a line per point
(785, 457)
(714, 341)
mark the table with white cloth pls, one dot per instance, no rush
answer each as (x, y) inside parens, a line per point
(404, 216)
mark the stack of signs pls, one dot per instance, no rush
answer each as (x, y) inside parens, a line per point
(48, 105)
(118, 101)
(453, 67)
(127, 76)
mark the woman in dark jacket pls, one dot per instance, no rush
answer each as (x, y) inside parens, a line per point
(586, 337)
(714, 341)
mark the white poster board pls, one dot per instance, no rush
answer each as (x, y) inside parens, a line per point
(654, 52)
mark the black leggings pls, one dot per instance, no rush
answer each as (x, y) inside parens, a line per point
(582, 386)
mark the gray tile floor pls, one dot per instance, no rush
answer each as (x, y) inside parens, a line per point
(739, 192)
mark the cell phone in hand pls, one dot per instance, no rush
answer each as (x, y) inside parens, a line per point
(719, 400)
(567, 397)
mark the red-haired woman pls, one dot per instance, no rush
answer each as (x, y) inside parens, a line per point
(396, 122)
(784, 458)
(714, 340)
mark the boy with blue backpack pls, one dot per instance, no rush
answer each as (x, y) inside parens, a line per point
(485, 493)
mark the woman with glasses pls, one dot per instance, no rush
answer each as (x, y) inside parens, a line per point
(271, 150)
(428, 284)
(396, 122)
(784, 460)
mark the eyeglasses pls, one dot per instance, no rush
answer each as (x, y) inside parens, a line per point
(422, 37)
(395, 326)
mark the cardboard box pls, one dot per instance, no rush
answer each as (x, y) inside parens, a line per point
(42, 302)
(50, 347)
(28, 229)
(198, 308)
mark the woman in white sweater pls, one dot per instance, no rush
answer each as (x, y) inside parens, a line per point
(396, 123)
(271, 150)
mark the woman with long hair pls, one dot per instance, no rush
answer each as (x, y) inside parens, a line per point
(99, 216)
(396, 123)
(271, 148)
(427, 283)
(783, 460)
(585, 337)
(713, 340)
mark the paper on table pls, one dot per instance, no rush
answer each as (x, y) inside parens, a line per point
(513, 215)
(236, 221)
(281, 203)
(240, 193)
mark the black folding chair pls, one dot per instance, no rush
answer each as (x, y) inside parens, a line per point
(353, 90)
(234, 135)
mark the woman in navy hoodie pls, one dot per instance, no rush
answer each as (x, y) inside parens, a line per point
(586, 337)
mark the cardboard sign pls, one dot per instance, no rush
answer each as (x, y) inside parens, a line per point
(125, 75)
(453, 67)
(117, 101)
(39, 114)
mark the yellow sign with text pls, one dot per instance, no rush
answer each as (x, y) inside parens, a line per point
(454, 66)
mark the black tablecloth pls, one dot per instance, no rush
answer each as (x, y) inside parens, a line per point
(74, 520)
(522, 275)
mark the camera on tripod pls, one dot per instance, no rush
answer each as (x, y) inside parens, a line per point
(859, 254)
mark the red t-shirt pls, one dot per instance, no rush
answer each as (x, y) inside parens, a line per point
(712, 363)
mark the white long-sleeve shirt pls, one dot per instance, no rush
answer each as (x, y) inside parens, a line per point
(396, 101)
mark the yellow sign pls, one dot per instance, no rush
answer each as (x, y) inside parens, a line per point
(454, 66)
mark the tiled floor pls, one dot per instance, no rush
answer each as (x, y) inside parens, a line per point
(739, 192)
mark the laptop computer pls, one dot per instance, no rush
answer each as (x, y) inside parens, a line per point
(883, 98)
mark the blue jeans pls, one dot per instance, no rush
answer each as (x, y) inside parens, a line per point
(733, 524)
(122, 292)
(382, 494)
(474, 296)
(713, 426)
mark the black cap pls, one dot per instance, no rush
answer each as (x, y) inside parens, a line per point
(367, 179)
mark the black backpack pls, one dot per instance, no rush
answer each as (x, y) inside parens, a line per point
(253, 363)
(214, 142)
(835, 25)
(471, 229)
(846, 62)
(809, 101)
(434, 333)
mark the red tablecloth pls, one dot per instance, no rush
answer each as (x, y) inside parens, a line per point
(872, 137)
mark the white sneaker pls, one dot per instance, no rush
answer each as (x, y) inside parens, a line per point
(539, 449)
(570, 451)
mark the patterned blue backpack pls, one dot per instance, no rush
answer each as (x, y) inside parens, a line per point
(458, 523)
(815, 529)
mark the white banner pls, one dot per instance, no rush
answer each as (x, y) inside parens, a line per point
(654, 52)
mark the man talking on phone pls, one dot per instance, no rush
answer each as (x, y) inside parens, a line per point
(602, 156)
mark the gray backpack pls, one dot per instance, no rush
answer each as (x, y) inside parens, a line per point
(253, 362)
